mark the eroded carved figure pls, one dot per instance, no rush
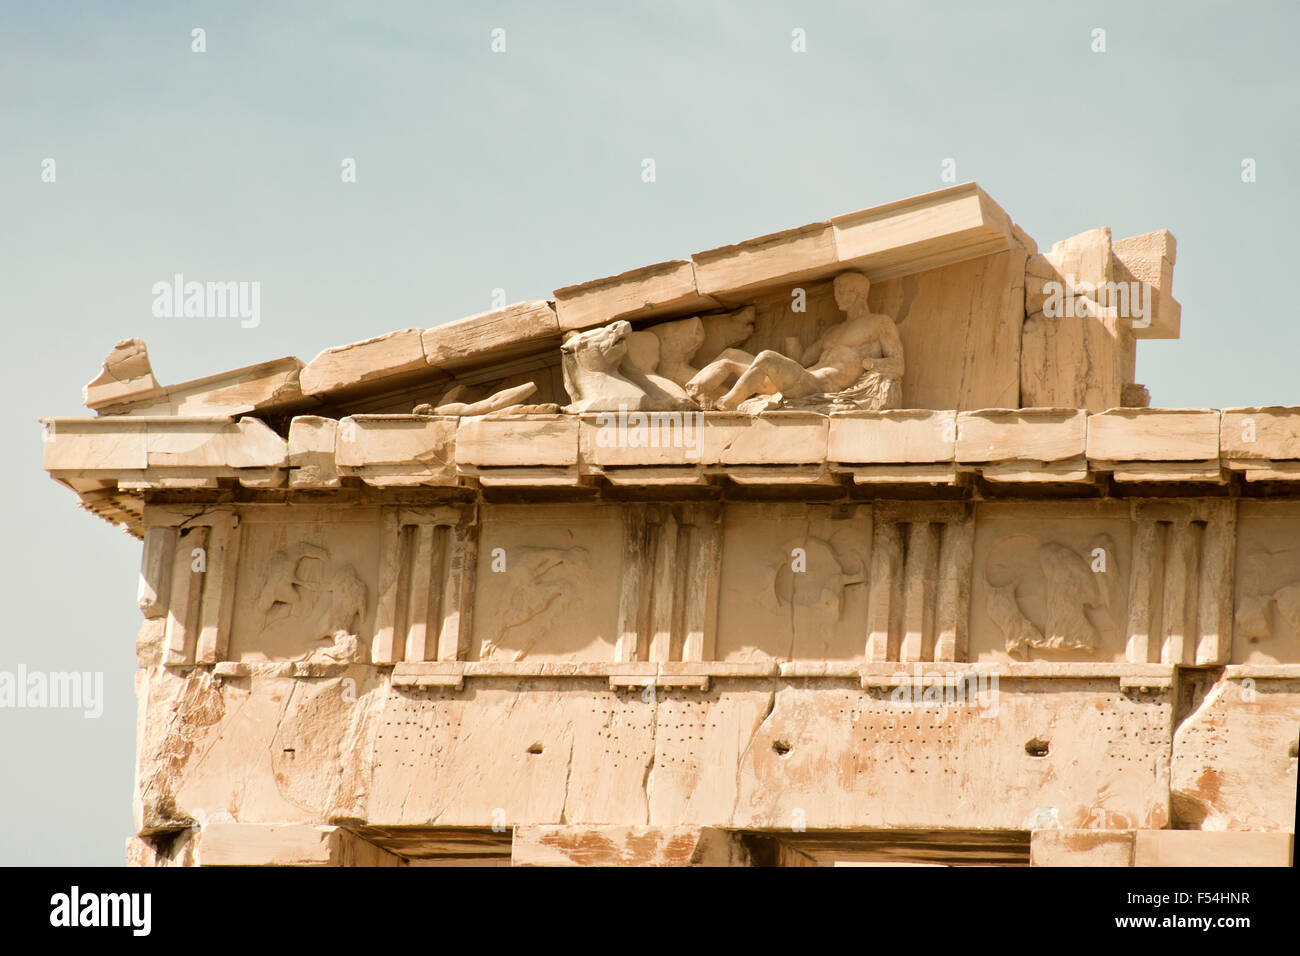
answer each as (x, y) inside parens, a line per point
(599, 379)
(506, 400)
(817, 579)
(1268, 605)
(667, 353)
(308, 598)
(1044, 595)
(1257, 615)
(645, 355)
(857, 364)
(547, 584)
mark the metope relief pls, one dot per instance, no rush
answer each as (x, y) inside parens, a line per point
(544, 588)
(1044, 595)
(814, 580)
(794, 583)
(547, 583)
(1267, 618)
(306, 589)
(308, 597)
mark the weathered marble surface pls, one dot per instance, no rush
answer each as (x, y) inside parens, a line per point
(854, 542)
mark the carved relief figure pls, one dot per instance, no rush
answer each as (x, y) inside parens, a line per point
(821, 579)
(714, 337)
(545, 584)
(723, 332)
(599, 380)
(453, 404)
(644, 356)
(731, 363)
(306, 599)
(506, 402)
(800, 596)
(1268, 604)
(678, 343)
(1047, 597)
(1258, 613)
(858, 362)
(345, 598)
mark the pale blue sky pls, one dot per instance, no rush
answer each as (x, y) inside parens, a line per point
(522, 171)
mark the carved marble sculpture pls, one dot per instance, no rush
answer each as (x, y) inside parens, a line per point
(858, 362)
(723, 332)
(546, 583)
(1070, 598)
(1269, 603)
(724, 361)
(451, 404)
(304, 594)
(678, 343)
(668, 353)
(644, 358)
(598, 379)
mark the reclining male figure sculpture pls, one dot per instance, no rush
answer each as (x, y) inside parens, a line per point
(861, 358)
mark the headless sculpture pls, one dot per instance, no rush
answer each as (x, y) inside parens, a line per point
(857, 362)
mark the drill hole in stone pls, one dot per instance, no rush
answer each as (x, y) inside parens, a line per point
(535, 749)
(781, 747)
(1037, 747)
(1293, 751)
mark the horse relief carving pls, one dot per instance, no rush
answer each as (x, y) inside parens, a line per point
(545, 587)
(697, 363)
(599, 377)
(307, 599)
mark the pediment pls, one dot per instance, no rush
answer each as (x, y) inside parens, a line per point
(959, 278)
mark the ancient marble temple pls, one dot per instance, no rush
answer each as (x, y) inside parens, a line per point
(855, 542)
